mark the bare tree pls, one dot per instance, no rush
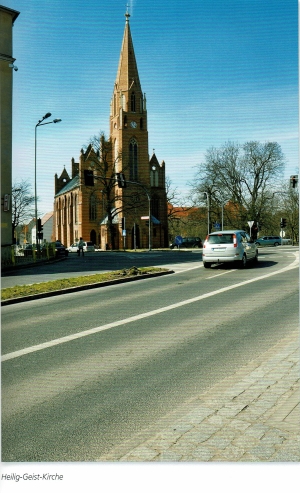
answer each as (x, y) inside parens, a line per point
(22, 204)
(244, 176)
(106, 164)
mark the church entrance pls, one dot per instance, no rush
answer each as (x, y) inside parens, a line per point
(135, 237)
(93, 237)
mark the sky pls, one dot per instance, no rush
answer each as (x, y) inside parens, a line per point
(213, 71)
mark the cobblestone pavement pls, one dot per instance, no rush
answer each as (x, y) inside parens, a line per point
(253, 416)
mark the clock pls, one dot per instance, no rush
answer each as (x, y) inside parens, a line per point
(133, 124)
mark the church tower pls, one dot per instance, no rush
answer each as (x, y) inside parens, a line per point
(128, 116)
(114, 216)
(129, 138)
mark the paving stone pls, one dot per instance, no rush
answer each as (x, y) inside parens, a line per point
(245, 441)
(201, 433)
(231, 410)
(289, 451)
(182, 427)
(229, 454)
(262, 451)
(202, 454)
(275, 437)
(199, 414)
(248, 458)
(257, 430)
(218, 442)
(168, 456)
(286, 456)
(218, 420)
(141, 453)
(183, 447)
(238, 424)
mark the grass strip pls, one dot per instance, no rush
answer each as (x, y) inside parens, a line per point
(45, 287)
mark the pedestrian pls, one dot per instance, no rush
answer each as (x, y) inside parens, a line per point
(80, 247)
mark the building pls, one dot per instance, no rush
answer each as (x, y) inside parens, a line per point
(47, 224)
(93, 202)
(7, 67)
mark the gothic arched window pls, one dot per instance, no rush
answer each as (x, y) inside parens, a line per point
(132, 101)
(155, 206)
(93, 208)
(76, 209)
(133, 159)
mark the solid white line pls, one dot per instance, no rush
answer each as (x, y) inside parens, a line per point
(222, 274)
(79, 335)
(189, 268)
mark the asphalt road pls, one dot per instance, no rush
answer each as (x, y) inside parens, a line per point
(83, 372)
(97, 262)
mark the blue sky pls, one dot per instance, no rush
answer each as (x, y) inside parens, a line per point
(212, 70)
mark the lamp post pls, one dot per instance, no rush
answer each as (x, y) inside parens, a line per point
(222, 204)
(47, 115)
(207, 197)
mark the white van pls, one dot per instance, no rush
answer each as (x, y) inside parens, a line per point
(229, 246)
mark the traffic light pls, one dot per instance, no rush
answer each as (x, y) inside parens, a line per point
(39, 229)
(123, 223)
(39, 225)
(121, 180)
(294, 181)
(282, 223)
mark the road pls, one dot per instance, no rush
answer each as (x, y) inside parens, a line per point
(84, 372)
(97, 262)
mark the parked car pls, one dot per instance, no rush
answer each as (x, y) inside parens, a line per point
(229, 246)
(60, 249)
(29, 248)
(268, 240)
(188, 242)
(88, 246)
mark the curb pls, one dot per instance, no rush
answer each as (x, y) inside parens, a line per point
(74, 289)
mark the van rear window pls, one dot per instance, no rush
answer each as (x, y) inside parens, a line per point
(227, 238)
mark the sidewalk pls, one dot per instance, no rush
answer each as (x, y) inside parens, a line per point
(253, 416)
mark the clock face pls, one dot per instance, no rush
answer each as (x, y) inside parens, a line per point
(133, 124)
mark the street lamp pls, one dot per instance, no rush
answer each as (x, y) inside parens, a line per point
(207, 197)
(47, 115)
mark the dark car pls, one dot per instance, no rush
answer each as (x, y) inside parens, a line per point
(29, 249)
(60, 249)
(188, 242)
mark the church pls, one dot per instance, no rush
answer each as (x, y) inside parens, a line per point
(116, 194)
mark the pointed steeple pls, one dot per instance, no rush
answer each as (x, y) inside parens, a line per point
(127, 75)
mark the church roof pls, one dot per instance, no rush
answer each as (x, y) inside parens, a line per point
(127, 70)
(74, 183)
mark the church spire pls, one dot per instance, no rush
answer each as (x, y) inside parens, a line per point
(127, 75)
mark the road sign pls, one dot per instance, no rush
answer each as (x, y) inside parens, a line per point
(217, 226)
(178, 240)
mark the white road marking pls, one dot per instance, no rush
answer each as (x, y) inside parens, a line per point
(95, 330)
(222, 274)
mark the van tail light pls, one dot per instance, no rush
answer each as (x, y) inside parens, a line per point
(234, 241)
(206, 239)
